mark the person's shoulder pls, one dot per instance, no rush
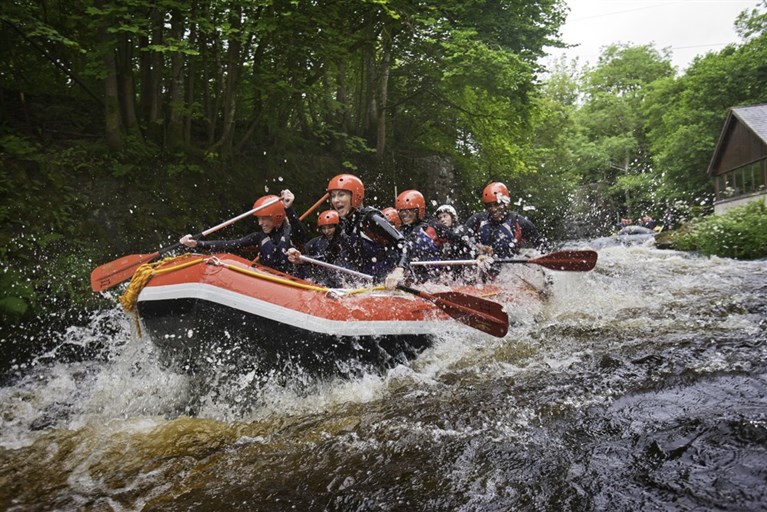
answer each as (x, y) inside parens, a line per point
(369, 210)
(475, 218)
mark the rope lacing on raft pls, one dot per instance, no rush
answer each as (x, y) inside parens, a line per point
(142, 276)
(148, 270)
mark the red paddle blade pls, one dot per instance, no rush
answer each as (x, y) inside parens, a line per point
(494, 324)
(486, 306)
(573, 261)
(115, 272)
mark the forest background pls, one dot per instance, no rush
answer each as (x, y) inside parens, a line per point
(125, 124)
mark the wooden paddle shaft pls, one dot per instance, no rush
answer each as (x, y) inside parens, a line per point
(240, 217)
(314, 206)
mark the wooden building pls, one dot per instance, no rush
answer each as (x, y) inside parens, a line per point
(739, 164)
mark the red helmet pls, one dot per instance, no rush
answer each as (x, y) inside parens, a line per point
(410, 200)
(392, 216)
(496, 192)
(350, 183)
(275, 210)
(328, 218)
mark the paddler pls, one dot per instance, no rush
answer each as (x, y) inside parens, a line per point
(427, 236)
(499, 232)
(368, 242)
(281, 230)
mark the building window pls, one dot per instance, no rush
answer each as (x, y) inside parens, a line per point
(745, 180)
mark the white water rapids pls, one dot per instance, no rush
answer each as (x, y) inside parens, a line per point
(641, 385)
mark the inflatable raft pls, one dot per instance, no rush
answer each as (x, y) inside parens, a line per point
(204, 309)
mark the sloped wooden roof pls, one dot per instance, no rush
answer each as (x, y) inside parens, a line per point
(743, 139)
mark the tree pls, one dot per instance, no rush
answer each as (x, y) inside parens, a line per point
(614, 155)
(685, 116)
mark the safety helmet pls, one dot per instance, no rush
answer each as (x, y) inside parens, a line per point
(392, 216)
(449, 209)
(496, 192)
(328, 218)
(410, 200)
(276, 210)
(350, 183)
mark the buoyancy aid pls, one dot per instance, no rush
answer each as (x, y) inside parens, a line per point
(425, 245)
(273, 248)
(504, 236)
(370, 244)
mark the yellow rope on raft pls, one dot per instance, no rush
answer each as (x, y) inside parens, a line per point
(142, 276)
(276, 279)
(146, 271)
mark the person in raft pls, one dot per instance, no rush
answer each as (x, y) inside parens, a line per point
(281, 230)
(448, 217)
(499, 232)
(427, 236)
(328, 224)
(392, 216)
(368, 243)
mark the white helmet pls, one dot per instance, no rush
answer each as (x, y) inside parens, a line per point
(449, 209)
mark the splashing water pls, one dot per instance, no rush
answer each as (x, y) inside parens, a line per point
(639, 385)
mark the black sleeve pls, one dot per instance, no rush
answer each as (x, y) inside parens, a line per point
(471, 226)
(378, 228)
(298, 233)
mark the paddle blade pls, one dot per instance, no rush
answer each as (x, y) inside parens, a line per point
(495, 324)
(115, 272)
(472, 301)
(573, 261)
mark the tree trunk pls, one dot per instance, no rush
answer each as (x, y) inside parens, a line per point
(233, 65)
(112, 119)
(127, 86)
(383, 93)
(150, 66)
(175, 129)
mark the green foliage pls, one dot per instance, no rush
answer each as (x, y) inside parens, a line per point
(739, 233)
(684, 117)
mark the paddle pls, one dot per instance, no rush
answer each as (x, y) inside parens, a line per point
(115, 272)
(572, 261)
(481, 314)
(314, 206)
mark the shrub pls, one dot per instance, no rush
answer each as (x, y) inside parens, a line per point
(740, 233)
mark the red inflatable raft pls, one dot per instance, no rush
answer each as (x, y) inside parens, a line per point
(200, 308)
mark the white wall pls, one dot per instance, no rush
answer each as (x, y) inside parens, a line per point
(727, 204)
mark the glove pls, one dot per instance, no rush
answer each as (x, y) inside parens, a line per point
(188, 241)
(294, 255)
(394, 278)
(287, 198)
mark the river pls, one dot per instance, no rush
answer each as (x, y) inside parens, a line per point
(642, 385)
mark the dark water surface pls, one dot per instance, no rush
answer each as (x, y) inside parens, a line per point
(641, 386)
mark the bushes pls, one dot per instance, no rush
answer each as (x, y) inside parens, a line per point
(740, 233)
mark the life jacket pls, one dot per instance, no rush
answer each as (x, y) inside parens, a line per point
(504, 236)
(424, 243)
(365, 247)
(316, 246)
(273, 248)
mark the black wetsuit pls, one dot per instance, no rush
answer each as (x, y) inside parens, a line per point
(271, 247)
(368, 243)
